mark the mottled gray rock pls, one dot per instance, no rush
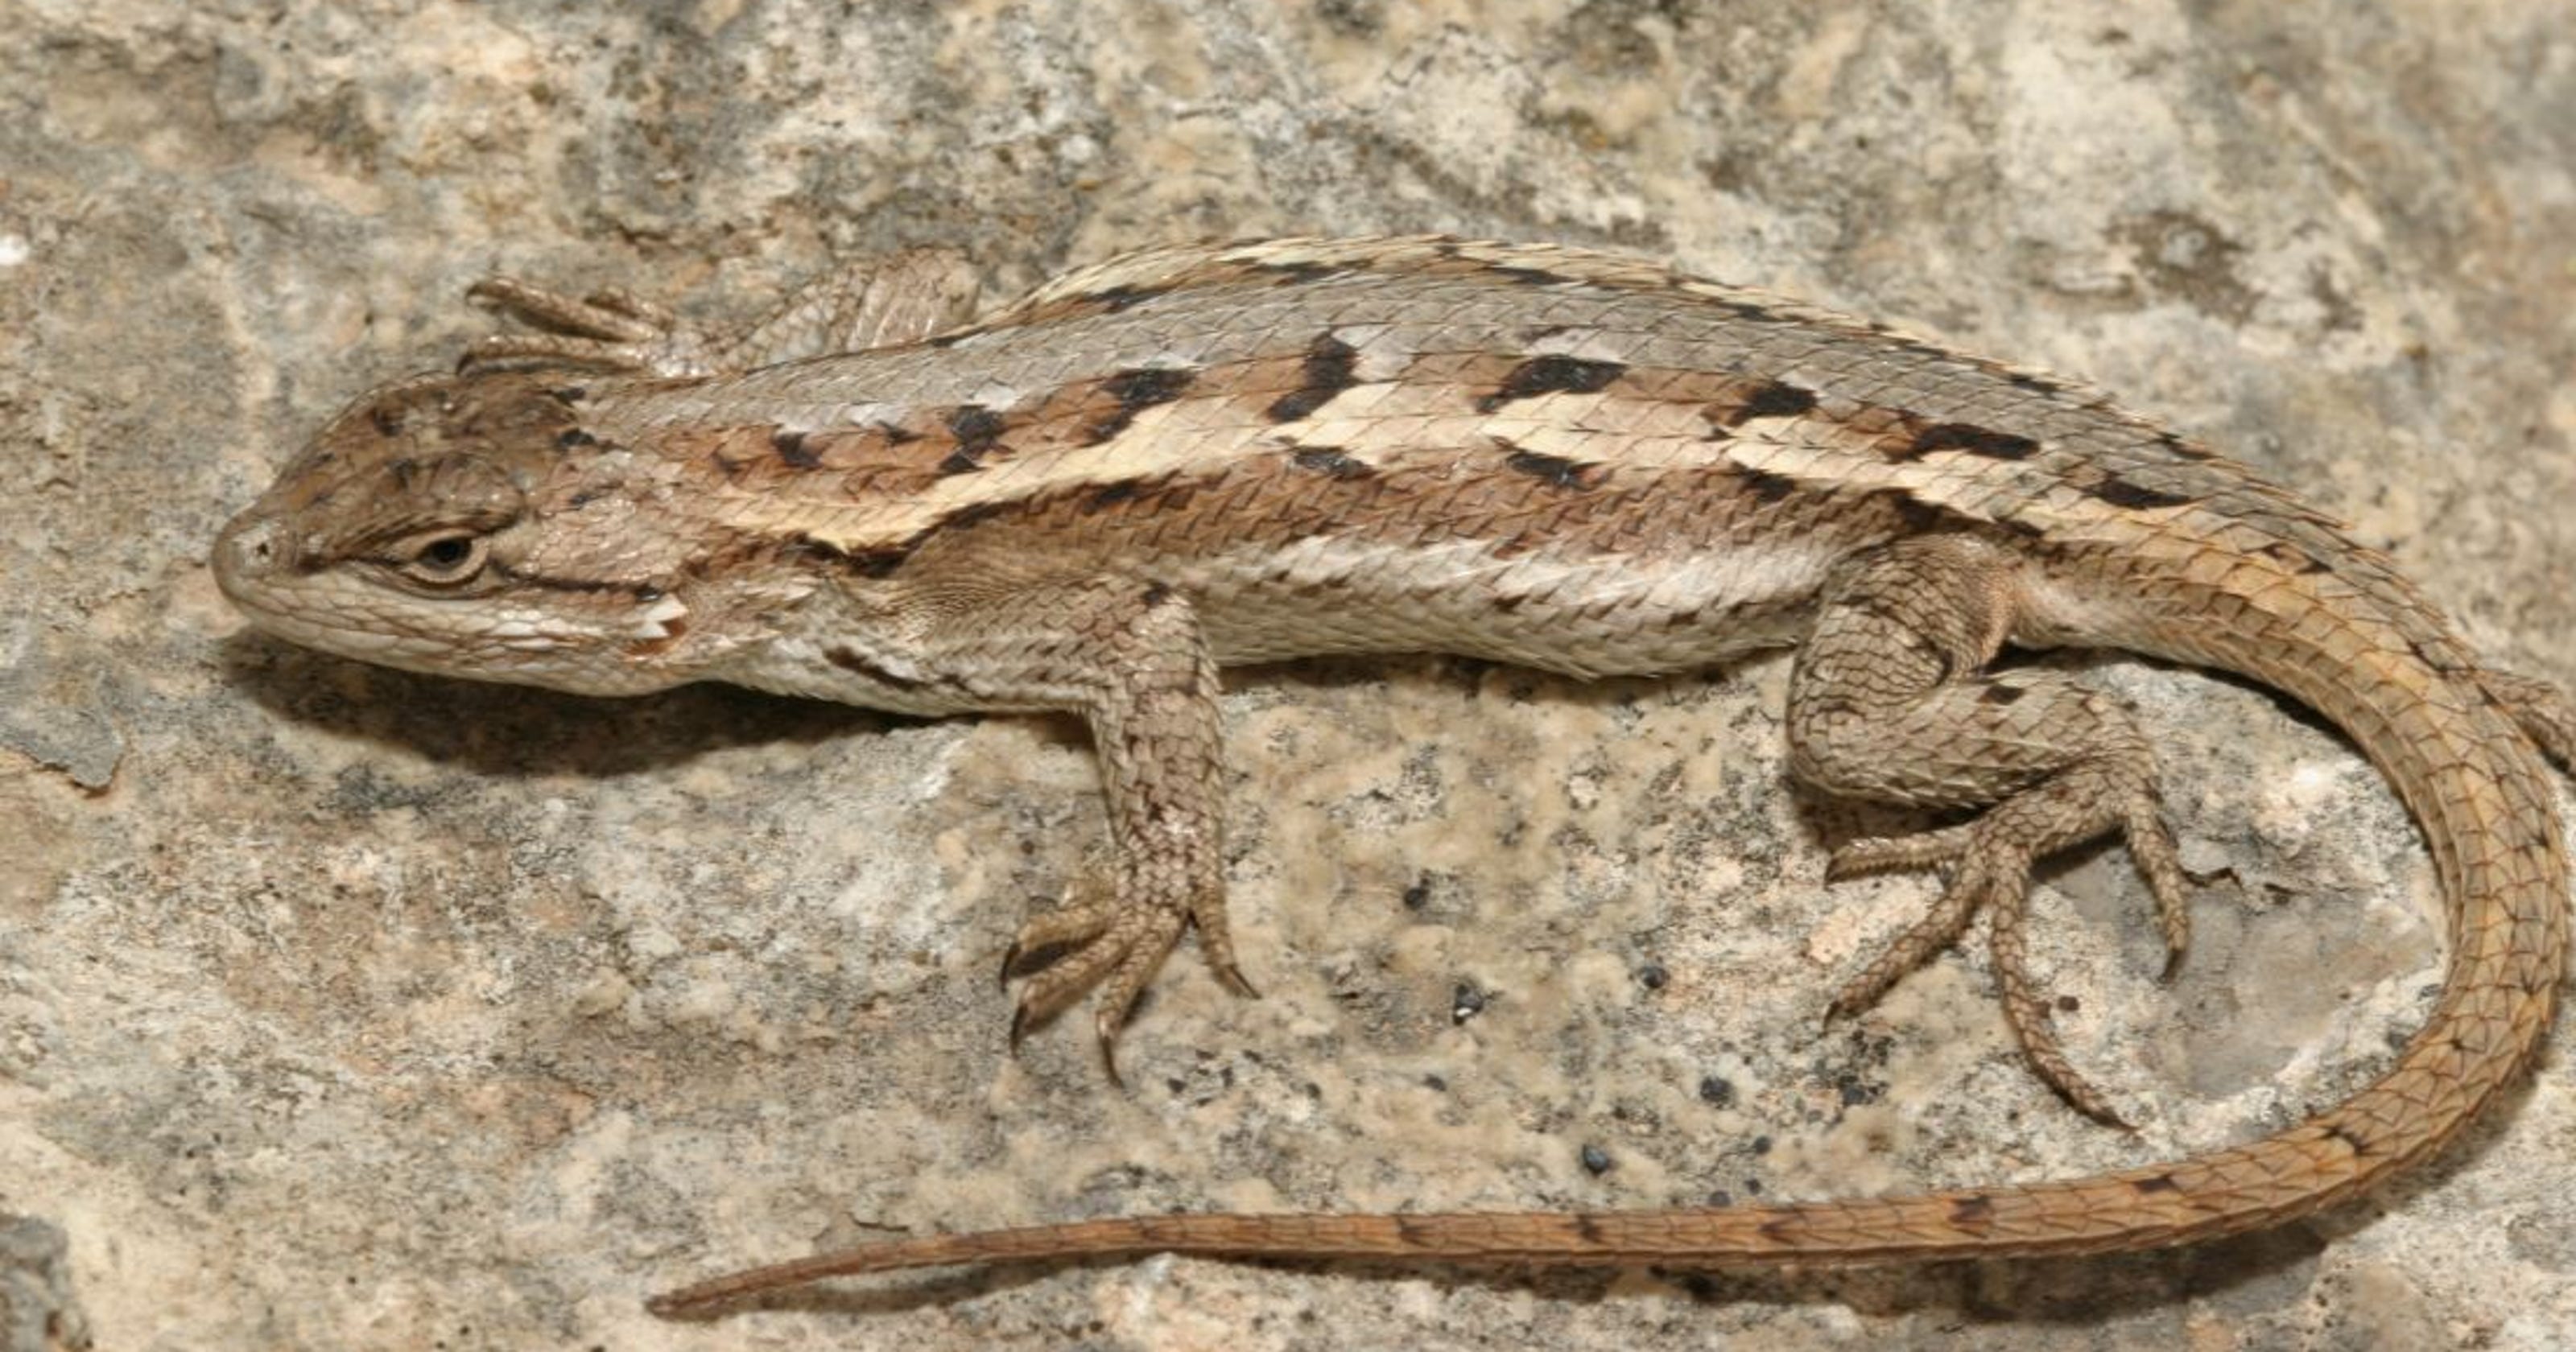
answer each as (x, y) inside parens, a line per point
(37, 1311)
(340, 1008)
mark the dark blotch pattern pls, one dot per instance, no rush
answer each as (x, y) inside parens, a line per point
(1136, 390)
(1773, 399)
(1918, 516)
(2121, 492)
(1551, 375)
(1117, 298)
(1146, 386)
(1768, 487)
(1111, 494)
(1549, 469)
(1298, 272)
(1329, 460)
(1972, 439)
(978, 430)
(793, 451)
(1331, 367)
(880, 563)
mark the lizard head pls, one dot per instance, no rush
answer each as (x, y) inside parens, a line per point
(461, 525)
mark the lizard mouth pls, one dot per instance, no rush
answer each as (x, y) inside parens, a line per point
(250, 558)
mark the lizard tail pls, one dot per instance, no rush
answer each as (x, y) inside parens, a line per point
(2487, 808)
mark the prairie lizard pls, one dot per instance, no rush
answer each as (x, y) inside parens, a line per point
(1196, 456)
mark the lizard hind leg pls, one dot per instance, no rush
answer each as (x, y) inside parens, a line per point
(1889, 700)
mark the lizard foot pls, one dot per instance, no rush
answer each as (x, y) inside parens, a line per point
(1989, 861)
(1093, 941)
(612, 330)
(1996, 879)
(1088, 943)
(1889, 700)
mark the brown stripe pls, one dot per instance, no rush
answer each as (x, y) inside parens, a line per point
(1419, 498)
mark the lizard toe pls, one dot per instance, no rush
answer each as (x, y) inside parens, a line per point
(2006, 885)
(1115, 951)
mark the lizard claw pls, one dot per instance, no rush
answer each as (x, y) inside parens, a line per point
(1097, 940)
(1117, 952)
(1107, 1026)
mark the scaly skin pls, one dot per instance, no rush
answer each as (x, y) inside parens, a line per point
(1215, 454)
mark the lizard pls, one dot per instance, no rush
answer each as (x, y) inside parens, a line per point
(1193, 456)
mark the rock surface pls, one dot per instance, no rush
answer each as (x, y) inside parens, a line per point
(341, 1008)
(38, 1312)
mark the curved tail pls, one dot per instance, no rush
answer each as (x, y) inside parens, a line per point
(2473, 781)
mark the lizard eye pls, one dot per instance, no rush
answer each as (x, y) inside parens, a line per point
(446, 559)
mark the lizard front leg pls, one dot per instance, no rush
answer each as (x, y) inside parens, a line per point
(1889, 700)
(1127, 655)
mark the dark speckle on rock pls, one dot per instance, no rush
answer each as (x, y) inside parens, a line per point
(1466, 1001)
